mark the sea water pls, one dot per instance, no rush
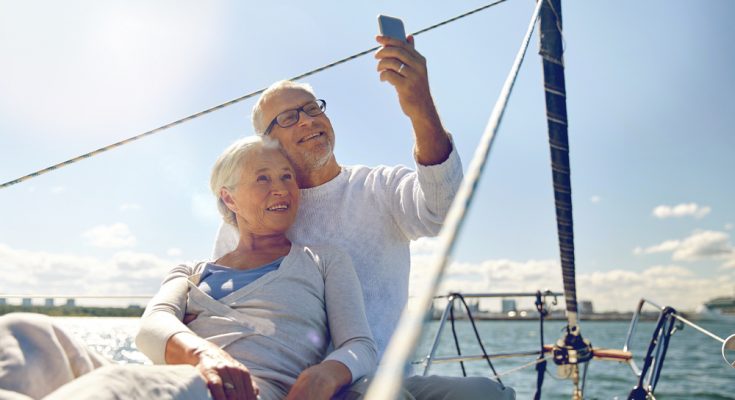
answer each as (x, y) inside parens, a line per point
(693, 367)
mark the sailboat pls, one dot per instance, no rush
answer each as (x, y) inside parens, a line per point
(578, 345)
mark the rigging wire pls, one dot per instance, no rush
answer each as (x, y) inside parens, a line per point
(522, 366)
(461, 298)
(387, 382)
(227, 103)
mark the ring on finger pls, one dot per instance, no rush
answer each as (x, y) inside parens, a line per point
(228, 386)
(400, 69)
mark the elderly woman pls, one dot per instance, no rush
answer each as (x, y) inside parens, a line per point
(261, 318)
(258, 320)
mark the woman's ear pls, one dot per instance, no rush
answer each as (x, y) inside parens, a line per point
(226, 197)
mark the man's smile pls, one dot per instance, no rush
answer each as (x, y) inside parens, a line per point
(311, 137)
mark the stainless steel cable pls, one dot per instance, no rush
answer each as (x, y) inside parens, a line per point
(223, 105)
(388, 378)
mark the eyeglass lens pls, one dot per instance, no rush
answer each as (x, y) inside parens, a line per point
(290, 117)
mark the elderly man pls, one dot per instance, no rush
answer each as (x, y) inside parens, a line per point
(371, 213)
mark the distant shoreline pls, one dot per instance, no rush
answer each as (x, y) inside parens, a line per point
(75, 311)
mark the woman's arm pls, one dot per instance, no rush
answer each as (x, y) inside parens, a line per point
(165, 339)
(226, 377)
(163, 316)
(355, 353)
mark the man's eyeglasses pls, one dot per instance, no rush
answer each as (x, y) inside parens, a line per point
(291, 117)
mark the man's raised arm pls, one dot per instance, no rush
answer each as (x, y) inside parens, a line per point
(405, 68)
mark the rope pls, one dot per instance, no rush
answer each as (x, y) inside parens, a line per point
(479, 340)
(225, 104)
(456, 337)
(526, 365)
(387, 382)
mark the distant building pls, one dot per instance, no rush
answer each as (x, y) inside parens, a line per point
(49, 302)
(3, 301)
(585, 308)
(26, 302)
(71, 303)
(508, 305)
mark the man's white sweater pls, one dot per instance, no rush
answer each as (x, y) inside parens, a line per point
(373, 214)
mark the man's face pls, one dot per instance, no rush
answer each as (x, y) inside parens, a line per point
(309, 144)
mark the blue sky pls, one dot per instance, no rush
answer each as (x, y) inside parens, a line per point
(650, 107)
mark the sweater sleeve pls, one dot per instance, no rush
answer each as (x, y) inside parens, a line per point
(225, 241)
(164, 315)
(420, 200)
(353, 343)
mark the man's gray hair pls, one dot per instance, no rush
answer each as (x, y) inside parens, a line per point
(257, 115)
(227, 168)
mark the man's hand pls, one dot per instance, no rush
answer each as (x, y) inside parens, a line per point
(320, 382)
(405, 68)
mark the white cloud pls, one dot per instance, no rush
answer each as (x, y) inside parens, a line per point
(110, 236)
(616, 289)
(132, 273)
(700, 245)
(609, 290)
(621, 289)
(124, 273)
(57, 190)
(729, 226)
(704, 245)
(667, 246)
(129, 207)
(595, 199)
(681, 210)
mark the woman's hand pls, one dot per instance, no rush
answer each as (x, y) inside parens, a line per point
(226, 378)
(320, 382)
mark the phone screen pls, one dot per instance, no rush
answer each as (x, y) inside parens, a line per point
(392, 27)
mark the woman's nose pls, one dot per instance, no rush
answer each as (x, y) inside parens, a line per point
(279, 188)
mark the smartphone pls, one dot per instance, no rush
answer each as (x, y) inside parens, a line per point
(392, 27)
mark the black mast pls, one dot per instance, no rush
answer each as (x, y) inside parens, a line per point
(571, 349)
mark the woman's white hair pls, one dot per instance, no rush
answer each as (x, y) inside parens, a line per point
(257, 114)
(227, 168)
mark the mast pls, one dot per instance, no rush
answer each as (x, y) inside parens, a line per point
(571, 349)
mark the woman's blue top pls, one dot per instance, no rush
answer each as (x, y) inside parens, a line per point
(218, 281)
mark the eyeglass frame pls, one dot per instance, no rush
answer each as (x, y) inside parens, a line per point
(322, 107)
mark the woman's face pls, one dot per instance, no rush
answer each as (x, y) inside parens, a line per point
(267, 196)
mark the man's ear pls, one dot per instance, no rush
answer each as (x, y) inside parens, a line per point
(226, 197)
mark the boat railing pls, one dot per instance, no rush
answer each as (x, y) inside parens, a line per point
(669, 321)
(448, 315)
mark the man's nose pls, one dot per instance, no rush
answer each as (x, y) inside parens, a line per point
(305, 118)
